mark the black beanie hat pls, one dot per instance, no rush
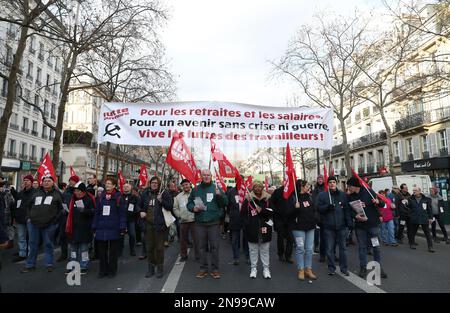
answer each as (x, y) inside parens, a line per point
(353, 181)
(332, 178)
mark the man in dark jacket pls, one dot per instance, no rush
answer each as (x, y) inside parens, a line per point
(285, 240)
(19, 214)
(319, 234)
(401, 203)
(208, 204)
(336, 219)
(66, 196)
(367, 225)
(132, 206)
(79, 223)
(152, 204)
(421, 214)
(42, 220)
(236, 226)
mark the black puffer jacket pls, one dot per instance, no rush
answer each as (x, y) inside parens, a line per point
(402, 205)
(132, 206)
(45, 207)
(256, 225)
(304, 218)
(24, 199)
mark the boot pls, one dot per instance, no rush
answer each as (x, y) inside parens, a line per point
(301, 274)
(309, 273)
(159, 271)
(151, 270)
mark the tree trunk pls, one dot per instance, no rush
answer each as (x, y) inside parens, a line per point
(12, 79)
(344, 146)
(389, 144)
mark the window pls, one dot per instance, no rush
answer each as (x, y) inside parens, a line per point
(9, 55)
(37, 100)
(15, 118)
(370, 160)
(53, 110)
(44, 131)
(380, 156)
(358, 116)
(39, 75)
(30, 70)
(361, 161)
(424, 139)
(46, 112)
(57, 64)
(409, 146)
(25, 123)
(12, 147)
(33, 152)
(41, 49)
(35, 126)
(396, 149)
(32, 45)
(47, 81)
(4, 87)
(366, 112)
(23, 149)
(66, 116)
(443, 142)
(368, 128)
(42, 153)
(54, 86)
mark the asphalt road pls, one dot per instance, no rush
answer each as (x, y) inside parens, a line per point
(408, 271)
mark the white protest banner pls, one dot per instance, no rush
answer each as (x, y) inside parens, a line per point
(152, 124)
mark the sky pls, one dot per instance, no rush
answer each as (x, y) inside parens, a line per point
(220, 50)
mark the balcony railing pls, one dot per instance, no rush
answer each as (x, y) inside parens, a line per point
(12, 154)
(426, 155)
(14, 126)
(412, 121)
(25, 130)
(369, 139)
(443, 152)
(44, 136)
(41, 56)
(34, 133)
(23, 156)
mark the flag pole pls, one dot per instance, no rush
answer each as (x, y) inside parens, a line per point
(295, 187)
(250, 196)
(97, 160)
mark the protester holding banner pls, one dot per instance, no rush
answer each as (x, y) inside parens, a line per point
(208, 203)
(187, 221)
(78, 227)
(257, 219)
(42, 219)
(23, 202)
(109, 225)
(132, 207)
(336, 219)
(303, 221)
(152, 203)
(367, 222)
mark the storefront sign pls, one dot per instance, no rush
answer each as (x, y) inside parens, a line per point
(10, 163)
(427, 164)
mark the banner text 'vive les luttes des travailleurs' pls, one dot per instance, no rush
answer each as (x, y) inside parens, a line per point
(153, 124)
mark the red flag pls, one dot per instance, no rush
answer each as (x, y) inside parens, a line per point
(46, 168)
(143, 176)
(325, 177)
(266, 183)
(180, 158)
(226, 169)
(290, 177)
(249, 182)
(332, 172)
(220, 182)
(72, 172)
(244, 187)
(121, 181)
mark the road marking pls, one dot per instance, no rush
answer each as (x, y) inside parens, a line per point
(361, 283)
(174, 276)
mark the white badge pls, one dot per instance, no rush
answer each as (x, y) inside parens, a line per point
(253, 212)
(402, 222)
(85, 256)
(65, 207)
(131, 207)
(264, 230)
(48, 200)
(79, 204)
(299, 241)
(305, 204)
(38, 201)
(441, 209)
(424, 206)
(209, 197)
(19, 202)
(270, 223)
(236, 198)
(106, 209)
(73, 255)
(375, 242)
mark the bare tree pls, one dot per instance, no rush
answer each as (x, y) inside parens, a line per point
(321, 60)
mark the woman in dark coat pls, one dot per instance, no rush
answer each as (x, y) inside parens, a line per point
(109, 225)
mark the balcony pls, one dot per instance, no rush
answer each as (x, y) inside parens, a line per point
(44, 136)
(53, 116)
(12, 154)
(23, 156)
(443, 152)
(14, 126)
(34, 133)
(368, 140)
(25, 130)
(33, 159)
(410, 85)
(426, 154)
(412, 122)
(410, 157)
(370, 169)
(49, 63)
(41, 56)
(29, 77)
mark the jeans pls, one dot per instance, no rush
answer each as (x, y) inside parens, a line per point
(22, 236)
(208, 234)
(333, 236)
(62, 235)
(34, 234)
(79, 252)
(263, 249)
(387, 232)
(364, 236)
(304, 244)
(439, 221)
(131, 228)
(396, 224)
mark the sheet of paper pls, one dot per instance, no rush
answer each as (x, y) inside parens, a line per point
(85, 256)
(270, 223)
(131, 207)
(209, 197)
(19, 202)
(106, 210)
(402, 222)
(48, 200)
(375, 241)
(38, 201)
(168, 217)
(441, 209)
(79, 204)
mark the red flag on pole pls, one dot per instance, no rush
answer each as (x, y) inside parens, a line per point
(244, 188)
(46, 168)
(366, 185)
(266, 183)
(220, 182)
(143, 176)
(325, 177)
(180, 158)
(226, 169)
(72, 172)
(332, 172)
(121, 181)
(290, 177)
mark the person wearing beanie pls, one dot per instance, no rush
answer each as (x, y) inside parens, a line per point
(336, 220)
(367, 224)
(19, 215)
(319, 234)
(78, 226)
(62, 237)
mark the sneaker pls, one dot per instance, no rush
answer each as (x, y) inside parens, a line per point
(394, 244)
(331, 273)
(431, 250)
(345, 273)
(28, 269)
(202, 274)
(235, 262)
(142, 257)
(266, 273)
(215, 274)
(412, 247)
(253, 273)
(362, 272)
(138, 244)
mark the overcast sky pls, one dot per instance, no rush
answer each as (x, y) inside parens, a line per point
(219, 50)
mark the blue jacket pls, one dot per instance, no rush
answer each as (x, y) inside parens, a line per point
(420, 212)
(109, 227)
(335, 215)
